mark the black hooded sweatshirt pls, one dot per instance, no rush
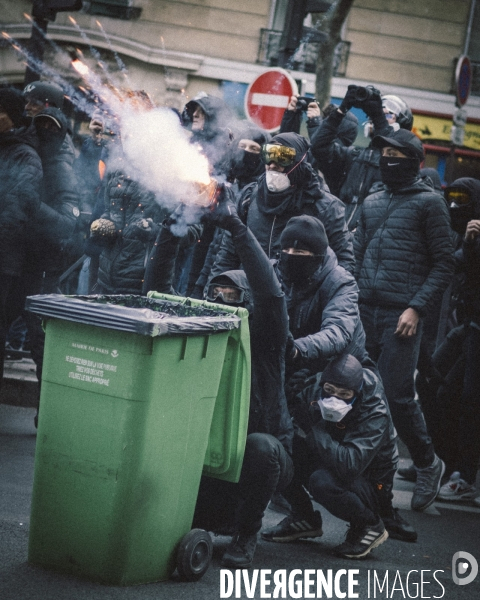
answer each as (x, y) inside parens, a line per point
(468, 257)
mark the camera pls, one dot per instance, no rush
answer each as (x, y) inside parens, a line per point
(303, 102)
(365, 93)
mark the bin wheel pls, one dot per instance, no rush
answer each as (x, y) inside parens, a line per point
(194, 555)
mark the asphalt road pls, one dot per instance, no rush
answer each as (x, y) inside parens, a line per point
(399, 567)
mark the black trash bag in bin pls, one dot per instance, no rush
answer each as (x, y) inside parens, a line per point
(136, 314)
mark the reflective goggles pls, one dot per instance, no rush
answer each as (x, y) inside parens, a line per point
(282, 155)
(460, 197)
(230, 294)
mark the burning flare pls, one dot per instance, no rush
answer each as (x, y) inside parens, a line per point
(80, 67)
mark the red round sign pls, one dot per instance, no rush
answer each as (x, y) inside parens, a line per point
(463, 79)
(267, 98)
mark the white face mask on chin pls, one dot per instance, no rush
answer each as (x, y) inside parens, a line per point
(333, 409)
(277, 182)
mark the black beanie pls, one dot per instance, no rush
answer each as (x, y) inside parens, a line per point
(305, 233)
(13, 103)
(344, 371)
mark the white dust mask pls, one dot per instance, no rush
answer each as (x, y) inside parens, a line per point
(333, 409)
(277, 182)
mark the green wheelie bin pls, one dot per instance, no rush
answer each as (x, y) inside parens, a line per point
(129, 388)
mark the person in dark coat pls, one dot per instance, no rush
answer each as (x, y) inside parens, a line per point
(463, 196)
(357, 167)
(239, 508)
(405, 260)
(346, 135)
(134, 217)
(344, 454)
(322, 298)
(20, 183)
(210, 120)
(243, 165)
(266, 209)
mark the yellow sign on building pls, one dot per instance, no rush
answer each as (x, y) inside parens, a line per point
(431, 129)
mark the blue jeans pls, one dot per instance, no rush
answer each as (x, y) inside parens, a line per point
(397, 360)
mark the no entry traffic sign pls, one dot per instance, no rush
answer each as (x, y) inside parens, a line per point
(267, 98)
(463, 80)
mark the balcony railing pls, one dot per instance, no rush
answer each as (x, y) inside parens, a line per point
(305, 57)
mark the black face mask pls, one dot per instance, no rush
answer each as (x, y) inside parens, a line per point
(297, 268)
(460, 216)
(52, 139)
(246, 164)
(396, 171)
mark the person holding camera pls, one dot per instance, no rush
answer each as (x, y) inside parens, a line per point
(297, 107)
(358, 167)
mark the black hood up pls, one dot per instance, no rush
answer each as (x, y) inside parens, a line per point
(344, 371)
(473, 186)
(217, 115)
(239, 279)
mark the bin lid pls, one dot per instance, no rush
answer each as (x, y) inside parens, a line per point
(136, 314)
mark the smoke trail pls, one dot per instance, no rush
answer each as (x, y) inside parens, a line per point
(118, 60)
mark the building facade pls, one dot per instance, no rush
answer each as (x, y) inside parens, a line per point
(175, 49)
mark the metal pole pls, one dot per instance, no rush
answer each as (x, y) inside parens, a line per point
(469, 26)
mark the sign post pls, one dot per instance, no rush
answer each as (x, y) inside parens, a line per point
(267, 98)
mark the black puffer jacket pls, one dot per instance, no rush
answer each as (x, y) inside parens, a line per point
(358, 168)
(122, 266)
(365, 444)
(20, 185)
(324, 317)
(408, 260)
(51, 243)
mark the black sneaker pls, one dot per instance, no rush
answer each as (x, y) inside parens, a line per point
(398, 528)
(427, 484)
(361, 540)
(408, 473)
(293, 528)
(240, 551)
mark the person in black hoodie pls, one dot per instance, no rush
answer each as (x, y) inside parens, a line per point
(322, 298)
(345, 455)
(210, 120)
(243, 165)
(20, 184)
(463, 197)
(266, 206)
(267, 466)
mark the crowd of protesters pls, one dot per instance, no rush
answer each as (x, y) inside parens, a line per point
(360, 273)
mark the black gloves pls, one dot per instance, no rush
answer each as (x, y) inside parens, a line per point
(349, 100)
(224, 213)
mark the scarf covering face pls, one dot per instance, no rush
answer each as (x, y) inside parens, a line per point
(305, 182)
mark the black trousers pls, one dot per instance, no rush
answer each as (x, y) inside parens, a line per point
(224, 507)
(358, 501)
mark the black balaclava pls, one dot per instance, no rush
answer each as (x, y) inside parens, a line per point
(51, 140)
(461, 214)
(303, 233)
(305, 182)
(238, 279)
(247, 166)
(396, 171)
(344, 371)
